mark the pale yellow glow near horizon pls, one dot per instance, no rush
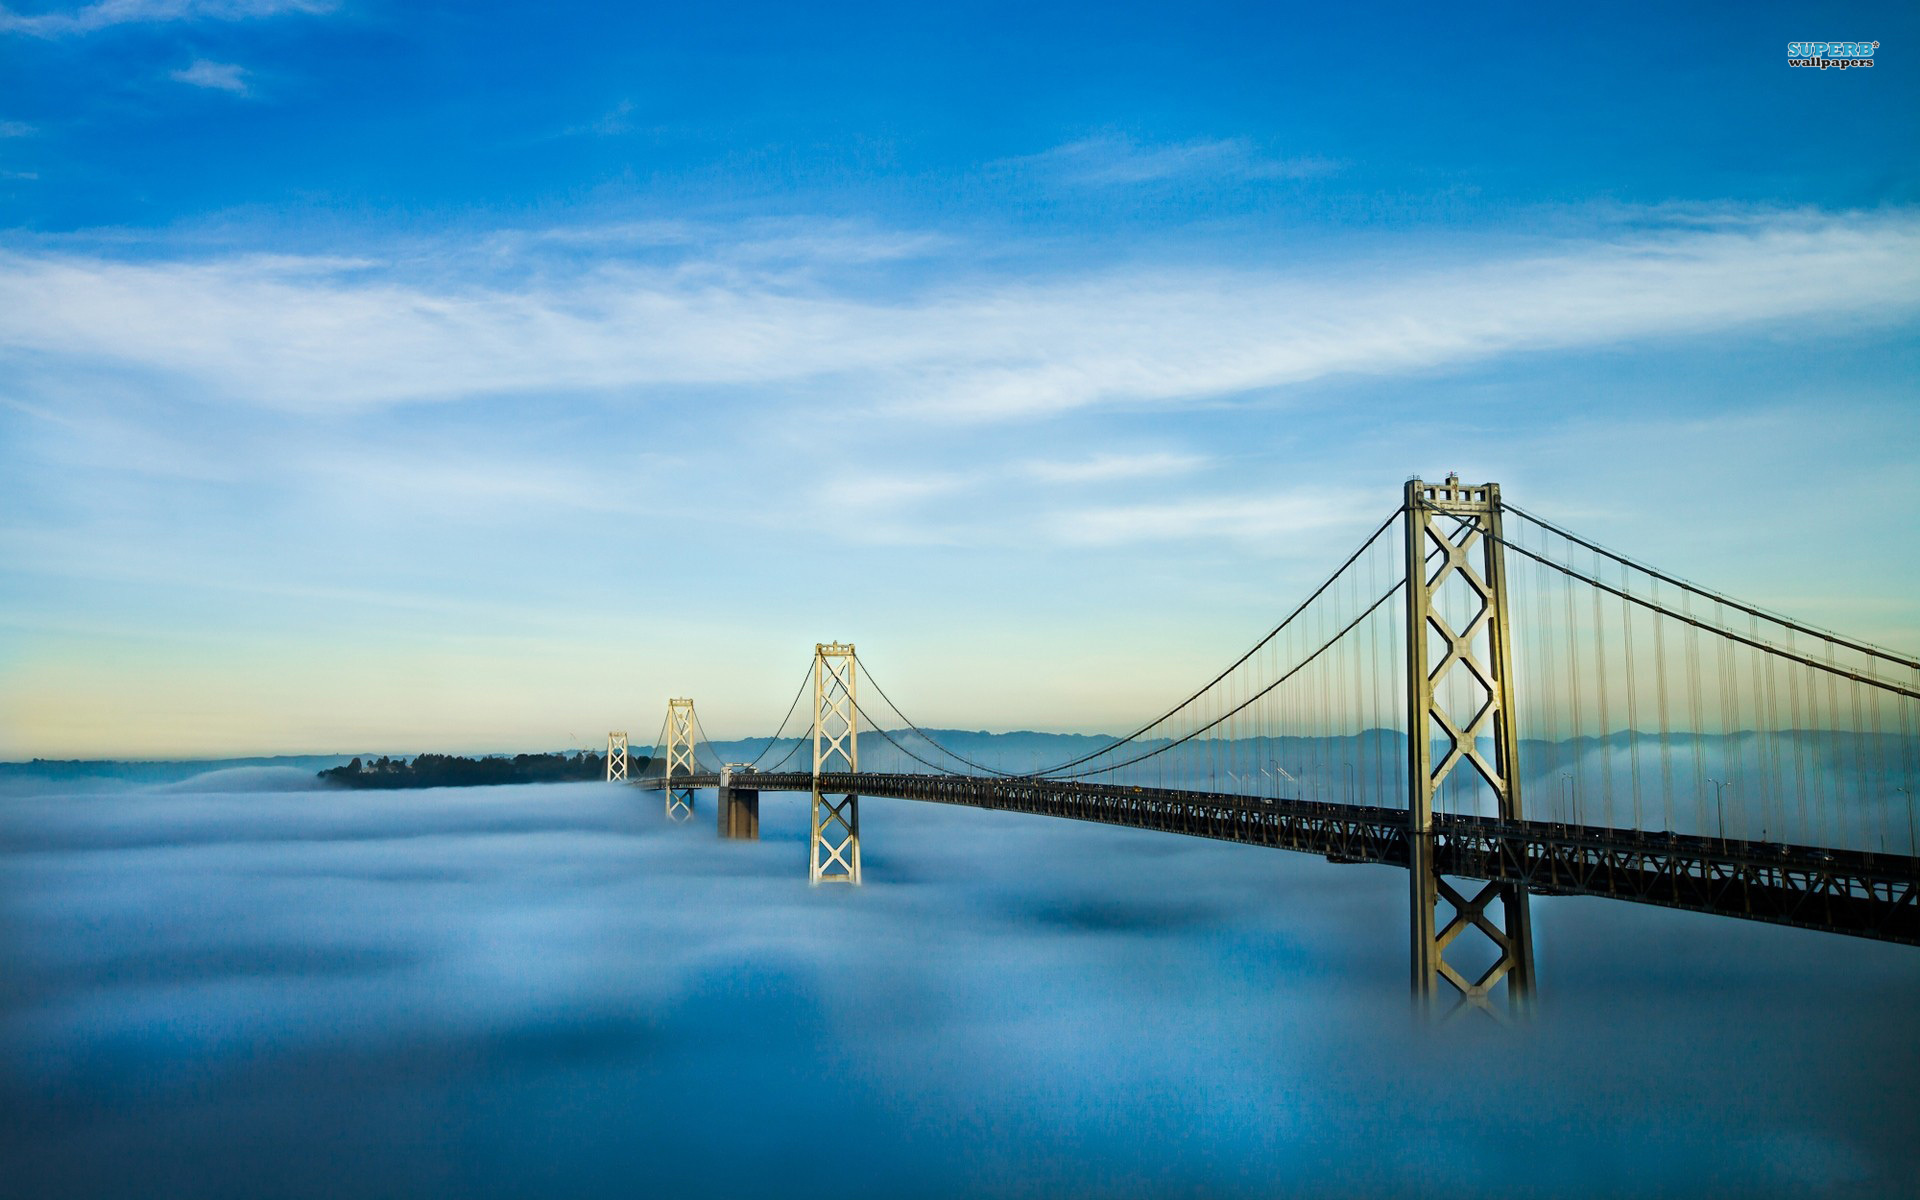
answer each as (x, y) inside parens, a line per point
(503, 695)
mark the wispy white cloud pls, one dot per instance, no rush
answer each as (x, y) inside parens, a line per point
(14, 129)
(91, 17)
(1260, 518)
(224, 77)
(880, 495)
(317, 334)
(1106, 468)
(1113, 159)
(817, 242)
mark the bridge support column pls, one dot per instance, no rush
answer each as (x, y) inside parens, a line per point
(739, 806)
(1460, 709)
(833, 854)
(617, 757)
(679, 758)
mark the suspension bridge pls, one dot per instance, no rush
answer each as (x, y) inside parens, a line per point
(1491, 701)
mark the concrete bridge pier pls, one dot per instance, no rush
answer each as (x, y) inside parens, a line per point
(739, 807)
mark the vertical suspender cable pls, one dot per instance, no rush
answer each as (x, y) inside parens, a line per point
(1547, 684)
(1800, 727)
(1633, 704)
(1696, 716)
(1576, 692)
(1770, 796)
(1660, 700)
(1606, 709)
(1732, 744)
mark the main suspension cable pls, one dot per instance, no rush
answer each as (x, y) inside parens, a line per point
(659, 743)
(795, 749)
(1866, 648)
(791, 709)
(876, 728)
(930, 739)
(1298, 667)
(1275, 632)
(1754, 642)
(700, 735)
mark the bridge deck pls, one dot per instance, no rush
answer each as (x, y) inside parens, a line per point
(1835, 891)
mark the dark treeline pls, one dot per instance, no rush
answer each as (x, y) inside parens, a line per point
(450, 770)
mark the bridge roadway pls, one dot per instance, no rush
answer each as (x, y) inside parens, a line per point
(1835, 891)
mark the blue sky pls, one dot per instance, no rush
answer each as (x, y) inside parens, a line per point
(402, 377)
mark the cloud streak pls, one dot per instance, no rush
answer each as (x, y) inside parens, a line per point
(317, 334)
(1109, 160)
(223, 77)
(1108, 468)
(107, 13)
(1259, 518)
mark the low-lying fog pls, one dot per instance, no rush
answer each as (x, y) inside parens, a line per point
(240, 986)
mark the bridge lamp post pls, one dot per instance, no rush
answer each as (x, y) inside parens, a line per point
(1910, 843)
(1570, 797)
(1353, 796)
(1279, 773)
(1720, 813)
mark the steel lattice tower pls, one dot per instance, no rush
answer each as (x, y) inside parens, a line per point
(617, 757)
(834, 853)
(1464, 702)
(679, 747)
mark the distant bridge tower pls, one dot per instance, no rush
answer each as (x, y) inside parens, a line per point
(834, 854)
(1457, 607)
(617, 757)
(680, 727)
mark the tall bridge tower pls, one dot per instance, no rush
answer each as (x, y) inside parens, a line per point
(1460, 705)
(617, 757)
(834, 853)
(679, 747)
